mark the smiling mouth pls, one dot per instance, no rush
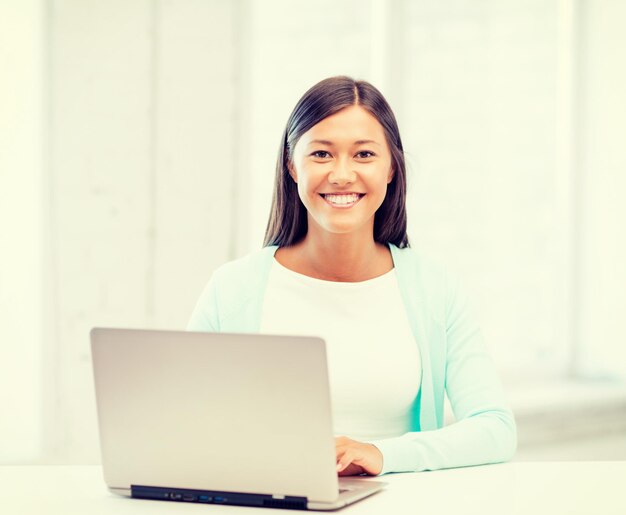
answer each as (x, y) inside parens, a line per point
(342, 200)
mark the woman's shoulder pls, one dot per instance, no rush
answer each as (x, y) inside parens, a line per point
(246, 267)
(431, 280)
(417, 264)
(232, 285)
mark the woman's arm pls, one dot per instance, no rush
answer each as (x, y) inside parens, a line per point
(485, 430)
(205, 314)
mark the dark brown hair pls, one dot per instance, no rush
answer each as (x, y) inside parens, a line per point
(288, 217)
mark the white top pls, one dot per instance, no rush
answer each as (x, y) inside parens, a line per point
(374, 363)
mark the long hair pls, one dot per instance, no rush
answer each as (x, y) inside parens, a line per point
(288, 217)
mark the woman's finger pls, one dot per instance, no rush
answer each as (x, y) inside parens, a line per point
(344, 459)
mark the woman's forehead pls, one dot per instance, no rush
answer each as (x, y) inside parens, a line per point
(352, 124)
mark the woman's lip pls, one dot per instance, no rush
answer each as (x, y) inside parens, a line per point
(344, 193)
(342, 206)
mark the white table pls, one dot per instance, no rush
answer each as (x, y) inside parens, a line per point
(532, 488)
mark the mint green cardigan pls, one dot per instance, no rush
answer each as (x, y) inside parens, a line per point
(455, 361)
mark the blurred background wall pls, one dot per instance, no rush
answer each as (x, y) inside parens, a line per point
(137, 153)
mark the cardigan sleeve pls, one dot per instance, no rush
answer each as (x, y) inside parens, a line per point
(484, 431)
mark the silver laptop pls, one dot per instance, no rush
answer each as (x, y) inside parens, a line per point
(218, 418)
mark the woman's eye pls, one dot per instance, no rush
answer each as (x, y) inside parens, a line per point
(321, 154)
(364, 154)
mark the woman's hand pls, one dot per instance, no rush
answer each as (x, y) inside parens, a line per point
(355, 458)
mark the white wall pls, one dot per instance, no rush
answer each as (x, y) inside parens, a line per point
(160, 128)
(602, 160)
(22, 200)
(141, 136)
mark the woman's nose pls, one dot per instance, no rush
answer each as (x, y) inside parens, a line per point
(342, 173)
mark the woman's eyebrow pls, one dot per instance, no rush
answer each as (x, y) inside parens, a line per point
(321, 142)
(330, 143)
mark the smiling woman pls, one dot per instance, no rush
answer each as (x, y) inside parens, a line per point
(346, 129)
(335, 162)
(336, 263)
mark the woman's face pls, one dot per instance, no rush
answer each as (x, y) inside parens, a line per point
(342, 167)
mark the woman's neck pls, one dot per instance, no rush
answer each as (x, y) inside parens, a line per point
(337, 257)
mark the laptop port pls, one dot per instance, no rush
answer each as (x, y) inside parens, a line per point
(175, 497)
(189, 497)
(204, 498)
(219, 499)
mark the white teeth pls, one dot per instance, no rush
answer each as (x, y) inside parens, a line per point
(342, 199)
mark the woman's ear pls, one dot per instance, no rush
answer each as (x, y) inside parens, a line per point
(390, 176)
(292, 171)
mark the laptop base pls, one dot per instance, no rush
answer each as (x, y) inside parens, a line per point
(156, 493)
